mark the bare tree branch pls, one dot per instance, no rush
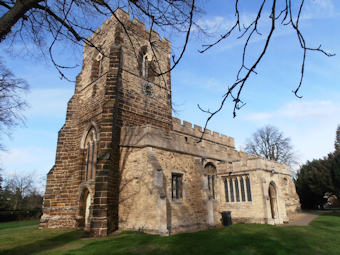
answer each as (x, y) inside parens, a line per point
(11, 101)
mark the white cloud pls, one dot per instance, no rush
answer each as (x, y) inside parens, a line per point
(310, 124)
(214, 24)
(309, 109)
(299, 110)
(27, 159)
(219, 24)
(259, 116)
(317, 9)
(48, 102)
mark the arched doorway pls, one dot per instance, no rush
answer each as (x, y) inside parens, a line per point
(273, 200)
(85, 209)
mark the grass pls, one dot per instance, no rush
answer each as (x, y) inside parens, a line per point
(322, 236)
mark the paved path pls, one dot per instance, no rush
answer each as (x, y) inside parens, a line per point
(302, 219)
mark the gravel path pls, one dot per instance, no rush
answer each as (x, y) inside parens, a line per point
(302, 219)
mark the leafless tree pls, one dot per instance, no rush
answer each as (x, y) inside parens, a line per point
(19, 186)
(20, 192)
(11, 100)
(270, 143)
(45, 23)
(73, 20)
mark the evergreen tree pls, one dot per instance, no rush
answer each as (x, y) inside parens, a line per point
(316, 178)
(337, 139)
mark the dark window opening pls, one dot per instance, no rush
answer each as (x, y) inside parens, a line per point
(237, 190)
(248, 188)
(213, 186)
(226, 190)
(231, 190)
(87, 160)
(177, 186)
(209, 186)
(243, 194)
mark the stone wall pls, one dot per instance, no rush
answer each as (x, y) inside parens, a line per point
(175, 154)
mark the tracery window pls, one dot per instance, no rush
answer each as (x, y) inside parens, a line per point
(91, 155)
(237, 189)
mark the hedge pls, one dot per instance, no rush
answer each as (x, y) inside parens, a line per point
(20, 215)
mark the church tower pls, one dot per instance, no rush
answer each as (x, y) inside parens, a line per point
(119, 85)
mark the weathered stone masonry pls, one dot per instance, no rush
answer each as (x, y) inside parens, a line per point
(123, 161)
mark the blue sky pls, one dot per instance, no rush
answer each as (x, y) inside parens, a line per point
(202, 79)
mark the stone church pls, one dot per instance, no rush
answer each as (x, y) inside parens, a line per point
(123, 162)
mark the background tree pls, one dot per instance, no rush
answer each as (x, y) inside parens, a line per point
(270, 143)
(19, 187)
(11, 100)
(20, 198)
(312, 182)
(337, 139)
(318, 177)
(47, 22)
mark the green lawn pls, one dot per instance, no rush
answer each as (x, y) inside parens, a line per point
(321, 237)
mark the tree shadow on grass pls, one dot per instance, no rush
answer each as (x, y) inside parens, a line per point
(44, 244)
(128, 242)
(237, 239)
(234, 240)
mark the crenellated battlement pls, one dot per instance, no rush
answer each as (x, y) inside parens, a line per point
(196, 131)
(134, 25)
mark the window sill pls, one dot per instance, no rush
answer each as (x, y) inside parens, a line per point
(176, 201)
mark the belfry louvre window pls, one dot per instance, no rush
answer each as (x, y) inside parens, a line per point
(237, 189)
(176, 186)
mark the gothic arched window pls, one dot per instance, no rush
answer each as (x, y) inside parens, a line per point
(210, 171)
(97, 67)
(143, 62)
(91, 155)
(145, 67)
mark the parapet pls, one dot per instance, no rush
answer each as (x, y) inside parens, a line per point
(196, 131)
(135, 25)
